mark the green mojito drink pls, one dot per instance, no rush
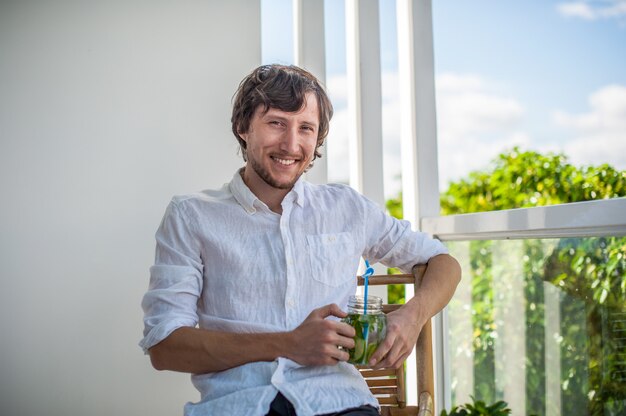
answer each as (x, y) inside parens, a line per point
(370, 327)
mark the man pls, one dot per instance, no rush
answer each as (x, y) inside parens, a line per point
(249, 281)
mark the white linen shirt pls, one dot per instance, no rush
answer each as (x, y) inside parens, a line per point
(226, 262)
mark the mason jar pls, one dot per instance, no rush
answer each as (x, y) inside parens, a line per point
(370, 327)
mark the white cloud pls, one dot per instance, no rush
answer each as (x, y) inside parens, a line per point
(576, 9)
(476, 122)
(593, 9)
(599, 135)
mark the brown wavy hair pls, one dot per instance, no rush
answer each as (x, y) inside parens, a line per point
(281, 87)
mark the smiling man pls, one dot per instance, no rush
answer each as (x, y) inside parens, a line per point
(279, 144)
(249, 280)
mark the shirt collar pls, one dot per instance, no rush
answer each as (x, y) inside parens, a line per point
(246, 198)
(298, 191)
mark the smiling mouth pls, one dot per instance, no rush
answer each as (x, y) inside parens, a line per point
(284, 162)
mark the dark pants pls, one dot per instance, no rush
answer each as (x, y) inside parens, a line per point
(282, 407)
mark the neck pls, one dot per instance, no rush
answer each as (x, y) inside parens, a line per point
(269, 195)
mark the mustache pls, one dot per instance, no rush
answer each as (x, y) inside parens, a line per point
(287, 156)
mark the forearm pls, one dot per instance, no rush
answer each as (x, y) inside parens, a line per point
(316, 341)
(404, 325)
(437, 287)
(198, 351)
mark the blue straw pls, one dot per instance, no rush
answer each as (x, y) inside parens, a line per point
(369, 270)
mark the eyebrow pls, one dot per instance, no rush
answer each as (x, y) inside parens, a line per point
(275, 113)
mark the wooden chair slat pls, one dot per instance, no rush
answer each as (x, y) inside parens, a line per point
(388, 400)
(381, 382)
(384, 390)
(390, 383)
(366, 372)
(386, 279)
(390, 308)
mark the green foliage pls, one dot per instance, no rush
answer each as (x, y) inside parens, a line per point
(519, 179)
(394, 206)
(479, 408)
(590, 274)
(395, 293)
(600, 261)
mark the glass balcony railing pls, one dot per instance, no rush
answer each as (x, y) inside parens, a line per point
(541, 324)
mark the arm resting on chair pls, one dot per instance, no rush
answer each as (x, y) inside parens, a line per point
(404, 325)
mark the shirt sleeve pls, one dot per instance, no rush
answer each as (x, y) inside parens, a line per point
(175, 279)
(393, 243)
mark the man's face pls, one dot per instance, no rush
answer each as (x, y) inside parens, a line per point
(280, 146)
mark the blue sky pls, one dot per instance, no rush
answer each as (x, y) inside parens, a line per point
(544, 75)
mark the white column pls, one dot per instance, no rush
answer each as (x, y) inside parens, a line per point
(419, 124)
(419, 143)
(364, 98)
(310, 54)
(365, 104)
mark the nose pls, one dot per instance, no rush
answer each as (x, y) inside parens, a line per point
(290, 142)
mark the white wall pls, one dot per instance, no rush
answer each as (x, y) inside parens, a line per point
(107, 109)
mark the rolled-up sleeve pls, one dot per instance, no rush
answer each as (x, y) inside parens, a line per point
(175, 279)
(393, 243)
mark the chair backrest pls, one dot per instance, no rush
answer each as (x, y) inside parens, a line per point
(388, 385)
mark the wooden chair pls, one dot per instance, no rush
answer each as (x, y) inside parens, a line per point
(388, 385)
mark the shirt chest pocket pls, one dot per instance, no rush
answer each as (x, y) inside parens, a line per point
(332, 258)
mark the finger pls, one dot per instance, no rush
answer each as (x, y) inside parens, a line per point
(345, 342)
(400, 361)
(382, 350)
(397, 354)
(345, 329)
(334, 354)
(340, 329)
(329, 310)
(335, 310)
(391, 358)
(342, 355)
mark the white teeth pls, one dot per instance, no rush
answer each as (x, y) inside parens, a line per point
(284, 161)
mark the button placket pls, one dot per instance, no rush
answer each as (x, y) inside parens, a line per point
(285, 233)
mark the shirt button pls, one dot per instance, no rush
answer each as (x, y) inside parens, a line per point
(290, 303)
(331, 238)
